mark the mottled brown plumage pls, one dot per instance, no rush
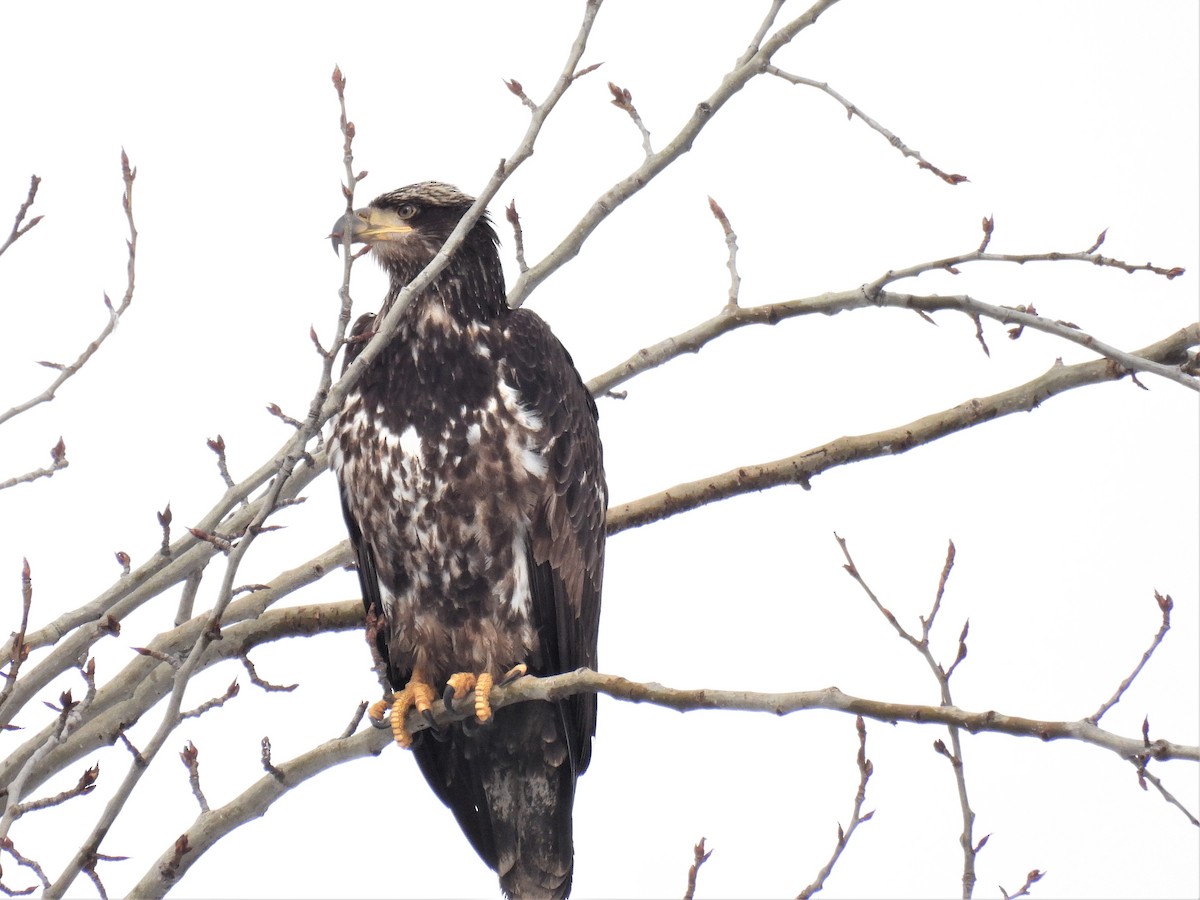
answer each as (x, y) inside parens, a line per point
(473, 487)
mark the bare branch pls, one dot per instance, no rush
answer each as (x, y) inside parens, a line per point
(955, 755)
(1168, 796)
(519, 91)
(18, 650)
(114, 313)
(731, 318)
(273, 409)
(699, 858)
(756, 41)
(852, 110)
(58, 460)
(265, 685)
(857, 817)
(7, 845)
(1165, 605)
(267, 765)
(510, 213)
(217, 446)
(1030, 879)
(681, 143)
(190, 757)
(230, 692)
(164, 522)
(623, 100)
(359, 712)
(18, 229)
(802, 467)
(371, 741)
(735, 281)
(85, 785)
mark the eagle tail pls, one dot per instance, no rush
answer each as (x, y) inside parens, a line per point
(511, 785)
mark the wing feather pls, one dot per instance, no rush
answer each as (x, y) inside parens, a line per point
(568, 527)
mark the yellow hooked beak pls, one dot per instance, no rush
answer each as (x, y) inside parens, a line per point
(369, 225)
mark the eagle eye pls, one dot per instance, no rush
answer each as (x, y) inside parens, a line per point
(406, 210)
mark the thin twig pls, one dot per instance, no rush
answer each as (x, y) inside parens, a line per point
(359, 712)
(1032, 878)
(18, 229)
(623, 100)
(128, 174)
(271, 769)
(7, 845)
(18, 650)
(735, 281)
(213, 703)
(955, 754)
(265, 685)
(852, 110)
(190, 757)
(164, 522)
(857, 816)
(510, 213)
(1168, 796)
(1165, 605)
(699, 857)
(217, 446)
(756, 41)
(58, 460)
(85, 785)
(273, 409)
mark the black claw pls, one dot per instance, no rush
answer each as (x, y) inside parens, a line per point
(512, 675)
(439, 733)
(385, 722)
(448, 699)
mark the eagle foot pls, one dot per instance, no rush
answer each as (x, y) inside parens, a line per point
(513, 674)
(377, 714)
(417, 693)
(458, 684)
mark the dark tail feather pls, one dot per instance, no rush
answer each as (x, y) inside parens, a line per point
(511, 785)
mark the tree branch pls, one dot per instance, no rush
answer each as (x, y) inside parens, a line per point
(114, 313)
(18, 228)
(802, 467)
(252, 803)
(746, 69)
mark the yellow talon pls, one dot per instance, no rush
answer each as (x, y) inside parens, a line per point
(416, 693)
(419, 693)
(514, 673)
(461, 682)
(377, 711)
(483, 691)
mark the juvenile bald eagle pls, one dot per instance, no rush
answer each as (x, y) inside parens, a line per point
(472, 484)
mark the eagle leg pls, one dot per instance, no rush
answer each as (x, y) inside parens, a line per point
(457, 686)
(417, 693)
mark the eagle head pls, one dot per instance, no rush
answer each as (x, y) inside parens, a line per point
(406, 227)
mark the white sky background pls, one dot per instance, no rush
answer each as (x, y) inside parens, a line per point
(1067, 117)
